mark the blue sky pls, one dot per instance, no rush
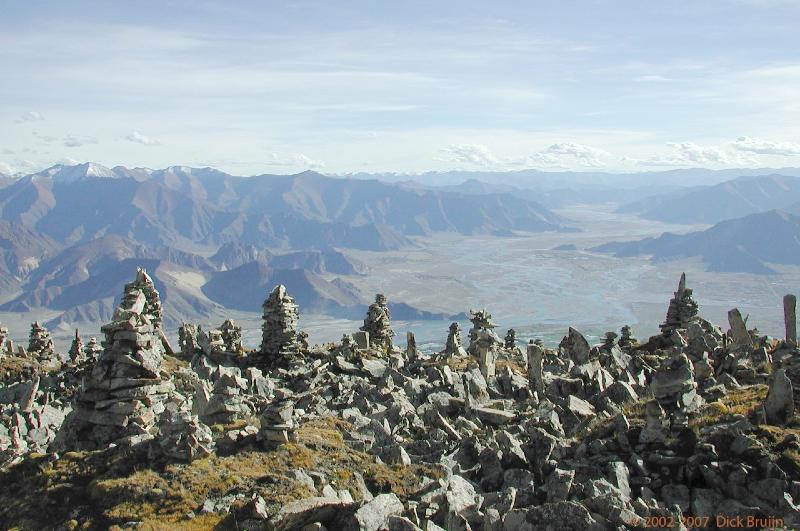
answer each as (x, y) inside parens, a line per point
(278, 87)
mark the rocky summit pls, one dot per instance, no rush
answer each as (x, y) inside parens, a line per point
(696, 427)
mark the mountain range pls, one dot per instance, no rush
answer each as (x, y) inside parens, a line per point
(749, 244)
(727, 200)
(71, 235)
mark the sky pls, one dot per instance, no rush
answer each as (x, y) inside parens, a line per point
(252, 87)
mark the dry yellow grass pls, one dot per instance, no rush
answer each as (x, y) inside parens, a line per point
(113, 489)
(735, 402)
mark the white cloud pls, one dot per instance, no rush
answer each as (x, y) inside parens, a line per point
(295, 160)
(691, 154)
(559, 155)
(566, 155)
(5, 168)
(139, 138)
(765, 147)
(475, 154)
(74, 141)
(30, 116)
(587, 155)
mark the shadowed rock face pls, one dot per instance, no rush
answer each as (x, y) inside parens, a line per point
(579, 437)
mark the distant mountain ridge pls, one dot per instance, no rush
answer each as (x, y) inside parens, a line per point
(727, 200)
(179, 206)
(746, 245)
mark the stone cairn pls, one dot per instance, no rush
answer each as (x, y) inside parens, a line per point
(181, 435)
(536, 368)
(92, 349)
(411, 347)
(682, 309)
(40, 344)
(3, 337)
(481, 320)
(125, 393)
(227, 401)
(510, 340)
(279, 331)
(626, 338)
(76, 352)
(675, 389)
(790, 319)
(484, 341)
(378, 324)
(609, 341)
(277, 424)
(453, 346)
(187, 340)
(232, 336)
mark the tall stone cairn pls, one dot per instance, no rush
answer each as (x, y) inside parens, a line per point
(682, 309)
(152, 307)
(511, 339)
(626, 338)
(76, 352)
(482, 334)
(789, 318)
(411, 346)
(92, 349)
(125, 392)
(3, 337)
(453, 346)
(279, 330)
(231, 336)
(40, 344)
(377, 324)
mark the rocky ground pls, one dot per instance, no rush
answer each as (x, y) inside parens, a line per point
(692, 428)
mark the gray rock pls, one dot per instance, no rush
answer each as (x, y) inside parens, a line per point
(374, 514)
(779, 405)
(400, 523)
(619, 477)
(676, 494)
(296, 514)
(575, 346)
(741, 337)
(558, 485)
(568, 516)
(790, 318)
